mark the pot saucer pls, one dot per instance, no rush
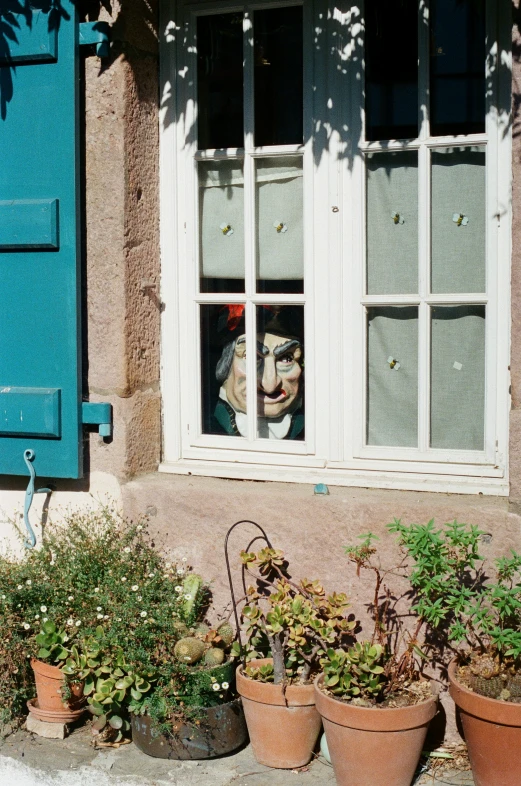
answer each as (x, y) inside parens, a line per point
(57, 716)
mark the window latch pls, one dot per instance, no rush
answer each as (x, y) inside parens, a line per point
(97, 34)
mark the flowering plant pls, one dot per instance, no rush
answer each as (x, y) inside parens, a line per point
(96, 575)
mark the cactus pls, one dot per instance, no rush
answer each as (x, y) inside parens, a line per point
(201, 629)
(189, 650)
(214, 656)
(226, 632)
(192, 587)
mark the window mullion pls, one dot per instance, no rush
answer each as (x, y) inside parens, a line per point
(423, 229)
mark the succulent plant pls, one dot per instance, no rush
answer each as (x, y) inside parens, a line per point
(214, 656)
(52, 643)
(226, 632)
(192, 588)
(355, 673)
(189, 650)
(201, 629)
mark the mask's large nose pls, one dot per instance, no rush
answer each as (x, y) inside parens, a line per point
(269, 381)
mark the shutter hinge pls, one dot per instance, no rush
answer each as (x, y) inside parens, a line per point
(97, 414)
(96, 33)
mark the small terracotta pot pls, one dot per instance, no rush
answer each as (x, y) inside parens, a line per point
(374, 746)
(492, 731)
(283, 727)
(49, 682)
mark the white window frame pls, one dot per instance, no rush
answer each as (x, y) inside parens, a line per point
(334, 450)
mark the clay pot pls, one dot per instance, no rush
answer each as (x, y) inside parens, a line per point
(492, 731)
(221, 730)
(283, 727)
(49, 681)
(374, 746)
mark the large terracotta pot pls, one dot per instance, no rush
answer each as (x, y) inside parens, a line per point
(374, 746)
(283, 726)
(492, 731)
(221, 730)
(49, 682)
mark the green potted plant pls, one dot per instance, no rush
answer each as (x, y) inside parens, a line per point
(192, 710)
(479, 616)
(289, 625)
(374, 702)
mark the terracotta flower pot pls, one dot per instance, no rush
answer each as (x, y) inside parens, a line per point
(49, 682)
(283, 728)
(492, 732)
(374, 746)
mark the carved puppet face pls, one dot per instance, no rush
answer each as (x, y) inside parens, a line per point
(279, 375)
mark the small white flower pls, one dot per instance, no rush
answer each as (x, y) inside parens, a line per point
(45, 619)
(96, 589)
(99, 616)
(65, 639)
(118, 619)
(28, 582)
(123, 578)
(37, 616)
(151, 575)
(43, 608)
(134, 588)
(98, 608)
(127, 549)
(216, 686)
(225, 686)
(140, 597)
(105, 616)
(188, 597)
(143, 614)
(139, 528)
(78, 623)
(3, 597)
(180, 571)
(26, 626)
(184, 559)
(19, 586)
(168, 564)
(71, 597)
(178, 588)
(187, 657)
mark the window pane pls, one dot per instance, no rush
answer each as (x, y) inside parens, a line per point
(457, 67)
(223, 378)
(392, 376)
(458, 377)
(279, 220)
(392, 223)
(278, 76)
(458, 220)
(220, 81)
(221, 222)
(391, 70)
(280, 372)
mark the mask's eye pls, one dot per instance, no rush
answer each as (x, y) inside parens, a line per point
(286, 360)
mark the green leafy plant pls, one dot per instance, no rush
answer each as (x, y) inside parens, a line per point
(479, 614)
(356, 672)
(52, 643)
(293, 622)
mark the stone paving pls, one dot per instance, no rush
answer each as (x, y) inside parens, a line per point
(27, 760)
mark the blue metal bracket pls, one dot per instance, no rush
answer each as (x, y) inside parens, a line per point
(96, 33)
(29, 494)
(97, 414)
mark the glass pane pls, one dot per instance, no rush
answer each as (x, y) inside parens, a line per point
(223, 378)
(221, 226)
(279, 224)
(392, 223)
(392, 376)
(219, 81)
(458, 377)
(278, 76)
(280, 372)
(391, 69)
(457, 86)
(458, 220)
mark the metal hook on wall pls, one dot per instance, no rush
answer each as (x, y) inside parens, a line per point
(29, 456)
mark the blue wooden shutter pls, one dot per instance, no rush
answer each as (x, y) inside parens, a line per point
(40, 374)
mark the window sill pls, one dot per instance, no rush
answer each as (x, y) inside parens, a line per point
(377, 479)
